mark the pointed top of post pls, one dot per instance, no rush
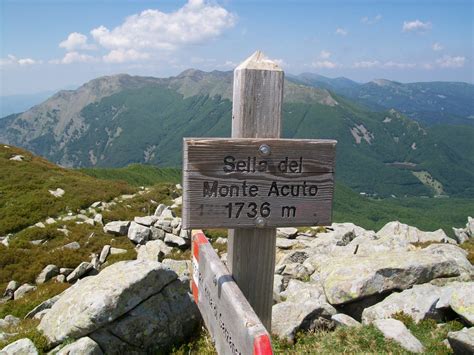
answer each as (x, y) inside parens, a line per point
(259, 61)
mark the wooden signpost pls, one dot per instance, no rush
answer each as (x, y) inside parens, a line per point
(257, 183)
(252, 182)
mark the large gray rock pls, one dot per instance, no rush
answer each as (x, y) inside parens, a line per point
(47, 273)
(95, 301)
(82, 346)
(23, 290)
(146, 221)
(288, 232)
(180, 267)
(154, 250)
(11, 288)
(117, 227)
(138, 234)
(462, 302)
(418, 302)
(343, 320)
(299, 291)
(412, 234)
(42, 306)
(20, 347)
(462, 342)
(350, 278)
(81, 270)
(395, 330)
(176, 241)
(104, 253)
(9, 321)
(164, 319)
(289, 317)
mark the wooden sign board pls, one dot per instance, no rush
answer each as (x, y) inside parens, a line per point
(231, 321)
(248, 183)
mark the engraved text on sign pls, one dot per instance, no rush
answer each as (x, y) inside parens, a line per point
(245, 182)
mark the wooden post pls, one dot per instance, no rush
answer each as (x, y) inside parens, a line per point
(256, 113)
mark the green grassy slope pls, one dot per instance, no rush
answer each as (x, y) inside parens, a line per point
(136, 174)
(148, 124)
(24, 185)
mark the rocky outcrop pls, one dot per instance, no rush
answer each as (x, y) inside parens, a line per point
(462, 342)
(82, 346)
(395, 330)
(348, 279)
(131, 306)
(20, 347)
(47, 273)
(117, 227)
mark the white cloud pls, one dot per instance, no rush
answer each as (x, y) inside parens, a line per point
(437, 46)
(75, 57)
(196, 22)
(341, 31)
(370, 21)
(451, 62)
(76, 41)
(324, 54)
(325, 64)
(366, 64)
(12, 60)
(124, 55)
(416, 26)
(398, 65)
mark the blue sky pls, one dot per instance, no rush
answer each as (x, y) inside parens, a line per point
(47, 45)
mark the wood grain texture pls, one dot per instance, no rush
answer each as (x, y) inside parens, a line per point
(228, 316)
(206, 154)
(256, 113)
(278, 211)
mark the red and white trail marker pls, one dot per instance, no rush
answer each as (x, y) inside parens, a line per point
(231, 321)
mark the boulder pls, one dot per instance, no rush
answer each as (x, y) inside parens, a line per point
(162, 320)
(418, 302)
(42, 306)
(146, 221)
(65, 271)
(138, 234)
(117, 251)
(23, 290)
(180, 267)
(159, 210)
(298, 291)
(290, 317)
(11, 288)
(154, 250)
(412, 234)
(82, 269)
(104, 253)
(117, 227)
(57, 193)
(20, 347)
(47, 273)
(167, 213)
(295, 271)
(82, 346)
(343, 320)
(289, 232)
(284, 243)
(99, 219)
(9, 321)
(350, 278)
(461, 235)
(462, 302)
(95, 301)
(462, 342)
(157, 233)
(395, 330)
(71, 246)
(176, 241)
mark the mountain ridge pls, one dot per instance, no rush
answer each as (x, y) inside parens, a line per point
(126, 119)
